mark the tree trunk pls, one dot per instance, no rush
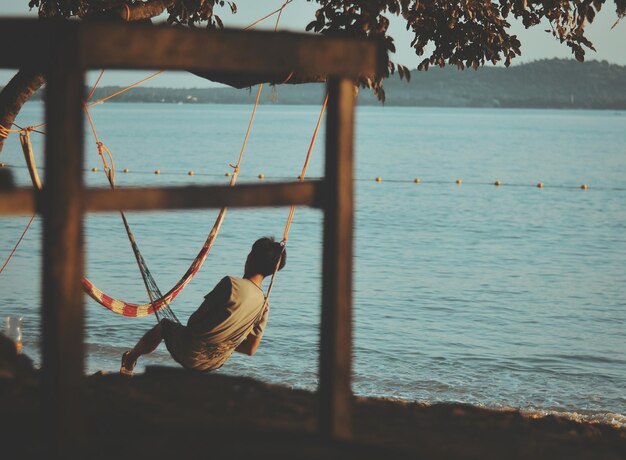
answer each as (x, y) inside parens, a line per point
(120, 9)
(143, 11)
(15, 94)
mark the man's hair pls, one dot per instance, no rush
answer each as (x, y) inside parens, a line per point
(265, 254)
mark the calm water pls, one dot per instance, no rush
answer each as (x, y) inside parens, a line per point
(504, 297)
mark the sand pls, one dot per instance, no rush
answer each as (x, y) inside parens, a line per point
(171, 412)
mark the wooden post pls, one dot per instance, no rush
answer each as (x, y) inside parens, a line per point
(336, 329)
(62, 211)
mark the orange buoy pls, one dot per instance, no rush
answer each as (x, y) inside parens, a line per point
(497, 183)
(584, 186)
(417, 180)
(459, 181)
(190, 173)
(94, 169)
(540, 185)
(379, 179)
(125, 170)
(227, 174)
(261, 176)
(157, 171)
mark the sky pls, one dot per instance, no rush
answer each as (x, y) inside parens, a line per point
(536, 43)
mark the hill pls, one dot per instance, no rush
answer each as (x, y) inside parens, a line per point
(554, 83)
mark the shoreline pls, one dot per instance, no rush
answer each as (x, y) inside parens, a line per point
(619, 111)
(173, 411)
(162, 364)
(168, 411)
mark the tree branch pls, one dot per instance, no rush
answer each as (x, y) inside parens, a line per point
(142, 11)
(120, 9)
(15, 94)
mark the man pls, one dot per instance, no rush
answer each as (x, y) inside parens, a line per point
(231, 318)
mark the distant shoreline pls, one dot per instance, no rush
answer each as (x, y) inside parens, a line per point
(546, 84)
(382, 106)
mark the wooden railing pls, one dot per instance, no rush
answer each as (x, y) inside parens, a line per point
(65, 50)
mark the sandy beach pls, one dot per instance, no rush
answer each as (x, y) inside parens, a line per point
(169, 412)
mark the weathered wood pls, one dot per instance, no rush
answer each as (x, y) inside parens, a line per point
(253, 195)
(309, 193)
(122, 45)
(139, 46)
(336, 327)
(36, 41)
(62, 207)
(19, 201)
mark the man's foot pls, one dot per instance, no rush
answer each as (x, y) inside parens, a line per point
(127, 365)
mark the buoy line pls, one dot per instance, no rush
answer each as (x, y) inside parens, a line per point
(497, 183)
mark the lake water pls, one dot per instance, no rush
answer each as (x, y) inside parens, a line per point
(509, 296)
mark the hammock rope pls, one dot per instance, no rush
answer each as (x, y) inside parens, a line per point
(159, 303)
(292, 210)
(6, 262)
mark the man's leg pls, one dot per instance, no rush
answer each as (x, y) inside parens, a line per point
(147, 344)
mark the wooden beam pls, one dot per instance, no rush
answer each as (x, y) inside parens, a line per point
(36, 40)
(197, 197)
(140, 46)
(62, 208)
(274, 53)
(335, 418)
(19, 201)
(309, 193)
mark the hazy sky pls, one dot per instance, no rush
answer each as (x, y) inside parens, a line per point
(536, 43)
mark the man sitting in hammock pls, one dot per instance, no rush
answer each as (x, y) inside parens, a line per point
(232, 318)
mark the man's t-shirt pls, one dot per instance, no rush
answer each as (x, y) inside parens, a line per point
(233, 306)
(232, 311)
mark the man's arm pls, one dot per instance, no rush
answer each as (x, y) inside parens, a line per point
(250, 345)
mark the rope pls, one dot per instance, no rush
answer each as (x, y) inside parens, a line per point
(292, 210)
(26, 145)
(416, 182)
(4, 131)
(127, 88)
(27, 129)
(154, 293)
(279, 11)
(288, 78)
(307, 160)
(95, 85)
(6, 262)
(258, 93)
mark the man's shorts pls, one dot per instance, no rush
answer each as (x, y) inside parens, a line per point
(190, 352)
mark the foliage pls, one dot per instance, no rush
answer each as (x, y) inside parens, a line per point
(462, 33)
